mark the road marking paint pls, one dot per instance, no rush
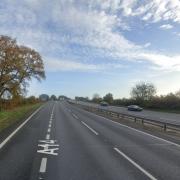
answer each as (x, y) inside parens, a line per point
(89, 128)
(135, 164)
(43, 165)
(49, 130)
(48, 147)
(48, 136)
(17, 129)
(153, 136)
(75, 116)
(49, 126)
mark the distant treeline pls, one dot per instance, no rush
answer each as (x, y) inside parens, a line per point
(143, 94)
(169, 101)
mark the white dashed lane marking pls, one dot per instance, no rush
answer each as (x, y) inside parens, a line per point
(43, 165)
(48, 136)
(49, 130)
(91, 129)
(135, 164)
(74, 116)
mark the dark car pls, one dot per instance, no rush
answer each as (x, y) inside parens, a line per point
(103, 103)
(134, 108)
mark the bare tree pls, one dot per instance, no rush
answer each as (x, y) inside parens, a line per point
(108, 98)
(143, 91)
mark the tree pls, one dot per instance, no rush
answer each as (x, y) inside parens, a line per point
(143, 91)
(62, 97)
(18, 65)
(53, 97)
(96, 98)
(85, 99)
(177, 93)
(108, 98)
(43, 97)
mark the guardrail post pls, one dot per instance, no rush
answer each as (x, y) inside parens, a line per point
(134, 119)
(165, 127)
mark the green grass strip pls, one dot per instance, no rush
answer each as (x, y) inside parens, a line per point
(9, 117)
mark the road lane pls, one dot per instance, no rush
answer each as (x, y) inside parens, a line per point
(155, 115)
(66, 142)
(160, 158)
(17, 156)
(83, 155)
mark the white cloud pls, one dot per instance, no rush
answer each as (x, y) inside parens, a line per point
(56, 27)
(163, 62)
(147, 45)
(55, 65)
(157, 10)
(166, 26)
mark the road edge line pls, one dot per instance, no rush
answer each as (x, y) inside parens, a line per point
(3, 143)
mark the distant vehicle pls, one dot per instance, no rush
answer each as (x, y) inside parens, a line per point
(103, 103)
(134, 108)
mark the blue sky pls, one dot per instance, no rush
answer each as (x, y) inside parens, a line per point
(98, 46)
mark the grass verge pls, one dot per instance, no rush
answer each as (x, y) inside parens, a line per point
(10, 117)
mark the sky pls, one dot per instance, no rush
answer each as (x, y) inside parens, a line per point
(98, 46)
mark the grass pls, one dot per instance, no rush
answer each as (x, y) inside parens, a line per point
(10, 117)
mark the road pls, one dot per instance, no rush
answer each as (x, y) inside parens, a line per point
(63, 142)
(173, 118)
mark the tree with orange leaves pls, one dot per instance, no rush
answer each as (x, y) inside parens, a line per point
(18, 65)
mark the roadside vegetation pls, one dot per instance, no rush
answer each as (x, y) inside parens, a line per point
(12, 116)
(144, 95)
(18, 65)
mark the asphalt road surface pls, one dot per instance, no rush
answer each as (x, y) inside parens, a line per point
(63, 142)
(173, 118)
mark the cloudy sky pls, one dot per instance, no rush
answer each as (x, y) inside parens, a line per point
(98, 46)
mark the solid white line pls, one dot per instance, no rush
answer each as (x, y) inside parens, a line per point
(43, 165)
(135, 164)
(49, 130)
(17, 129)
(90, 128)
(142, 132)
(48, 136)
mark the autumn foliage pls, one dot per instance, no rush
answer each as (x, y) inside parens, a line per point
(18, 65)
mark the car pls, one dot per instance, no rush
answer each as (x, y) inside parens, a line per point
(103, 103)
(134, 108)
